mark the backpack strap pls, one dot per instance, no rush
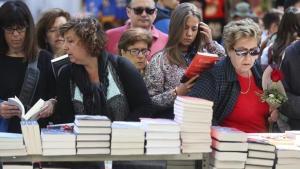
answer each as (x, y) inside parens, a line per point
(30, 83)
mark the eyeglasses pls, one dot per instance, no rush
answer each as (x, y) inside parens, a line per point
(11, 30)
(140, 10)
(137, 52)
(244, 52)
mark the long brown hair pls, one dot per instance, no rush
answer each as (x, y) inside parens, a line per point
(178, 20)
(17, 13)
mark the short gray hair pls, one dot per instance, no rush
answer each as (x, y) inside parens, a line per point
(236, 30)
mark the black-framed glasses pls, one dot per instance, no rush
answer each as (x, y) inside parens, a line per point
(137, 52)
(244, 52)
(140, 10)
(11, 30)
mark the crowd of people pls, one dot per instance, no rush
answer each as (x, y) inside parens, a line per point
(134, 70)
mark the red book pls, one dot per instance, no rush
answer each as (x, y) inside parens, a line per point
(200, 63)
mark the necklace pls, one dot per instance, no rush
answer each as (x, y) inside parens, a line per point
(249, 85)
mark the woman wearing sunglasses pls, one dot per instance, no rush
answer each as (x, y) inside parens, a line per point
(234, 83)
(135, 44)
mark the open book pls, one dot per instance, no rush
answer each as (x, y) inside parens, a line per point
(58, 63)
(200, 63)
(32, 113)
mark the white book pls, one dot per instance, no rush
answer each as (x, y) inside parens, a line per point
(92, 130)
(57, 134)
(93, 150)
(162, 143)
(117, 139)
(261, 147)
(127, 151)
(32, 113)
(229, 146)
(58, 62)
(226, 164)
(121, 127)
(12, 146)
(187, 119)
(288, 166)
(10, 137)
(58, 151)
(90, 144)
(93, 137)
(13, 152)
(172, 150)
(228, 134)
(195, 127)
(192, 137)
(287, 151)
(37, 137)
(120, 145)
(285, 161)
(247, 166)
(163, 125)
(92, 121)
(229, 156)
(17, 166)
(59, 144)
(193, 100)
(163, 135)
(195, 147)
(261, 154)
(257, 161)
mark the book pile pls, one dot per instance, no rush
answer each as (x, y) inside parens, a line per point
(194, 116)
(229, 148)
(11, 144)
(58, 141)
(92, 134)
(32, 137)
(162, 136)
(127, 138)
(261, 154)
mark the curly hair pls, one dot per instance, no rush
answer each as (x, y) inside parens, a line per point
(89, 31)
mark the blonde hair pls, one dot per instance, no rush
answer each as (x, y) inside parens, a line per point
(236, 30)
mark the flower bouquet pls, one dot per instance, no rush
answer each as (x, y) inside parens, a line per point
(274, 93)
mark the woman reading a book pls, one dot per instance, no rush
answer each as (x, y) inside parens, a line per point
(18, 54)
(187, 35)
(48, 36)
(234, 83)
(135, 44)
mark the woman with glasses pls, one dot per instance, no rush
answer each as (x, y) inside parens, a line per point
(48, 31)
(187, 35)
(135, 44)
(18, 53)
(234, 84)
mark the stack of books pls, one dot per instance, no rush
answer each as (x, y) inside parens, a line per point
(58, 141)
(127, 138)
(92, 134)
(11, 144)
(229, 148)
(162, 136)
(32, 137)
(261, 154)
(194, 116)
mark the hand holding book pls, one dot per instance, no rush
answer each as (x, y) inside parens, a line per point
(184, 88)
(8, 111)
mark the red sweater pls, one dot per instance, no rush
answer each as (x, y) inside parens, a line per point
(249, 113)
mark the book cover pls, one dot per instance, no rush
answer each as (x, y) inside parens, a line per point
(200, 63)
(57, 134)
(228, 134)
(32, 113)
(58, 63)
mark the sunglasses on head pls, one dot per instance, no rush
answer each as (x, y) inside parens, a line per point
(140, 10)
(244, 52)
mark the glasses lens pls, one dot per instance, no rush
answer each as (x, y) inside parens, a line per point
(145, 52)
(241, 53)
(138, 11)
(254, 52)
(150, 11)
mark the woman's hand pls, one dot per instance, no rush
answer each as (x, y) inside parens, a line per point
(274, 113)
(47, 109)
(184, 88)
(206, 31)
(8, 111)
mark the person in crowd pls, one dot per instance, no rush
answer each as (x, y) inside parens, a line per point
(18, 53)
(164, 9)
(135, 44)
(48, 31)
(96, 82)
(243, 10)
(141, 14)
(286, 34)
(291, 67)
(187, 35)
(289, 3)
(233, 84)
(271, 22)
